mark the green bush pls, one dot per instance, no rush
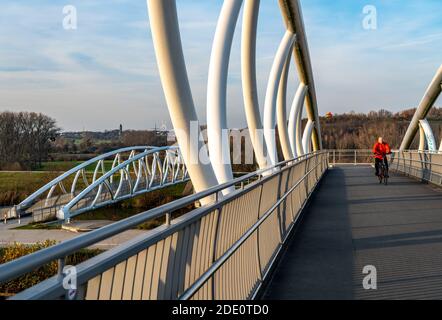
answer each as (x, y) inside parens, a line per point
(28, 280)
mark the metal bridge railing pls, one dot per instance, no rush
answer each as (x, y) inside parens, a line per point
(223, 250)
(116, 176)
(423, 165)
(350, 156)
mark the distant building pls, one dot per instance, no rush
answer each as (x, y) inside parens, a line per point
(171, 137)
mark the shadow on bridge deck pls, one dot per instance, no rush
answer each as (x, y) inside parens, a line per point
(353, 222)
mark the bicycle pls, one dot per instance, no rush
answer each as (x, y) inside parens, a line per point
(383, 173)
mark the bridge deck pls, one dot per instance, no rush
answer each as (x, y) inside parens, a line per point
(353, 222)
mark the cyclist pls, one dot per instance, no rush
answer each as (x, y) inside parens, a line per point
(380, 150)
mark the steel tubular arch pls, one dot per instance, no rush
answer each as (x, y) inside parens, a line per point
(292, 14)
(271, 95)
(281, 111)
(170, 59)
(426, 139)
(295, 128)
(427, 102)
(217, 134)
(248, 76)
(175, 83)
(422, 139)
(307, 137)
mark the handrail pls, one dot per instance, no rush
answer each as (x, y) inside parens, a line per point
(335, 156)
(419, 164)
(190, 292)
(420, 151)
(20, 266)
(420, 161)
(350, 150)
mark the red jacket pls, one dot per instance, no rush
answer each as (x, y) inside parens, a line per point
(381, 150)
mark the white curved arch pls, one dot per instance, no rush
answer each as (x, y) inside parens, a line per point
(299, 146)
(429, 99)
(427, 140)
(217, 133)
(440, 148)
(422, 142)
(172, 68)
(281, 111)
(271, 95)
(248, 76)
(307, 137)
(293, 17)
(295, 130)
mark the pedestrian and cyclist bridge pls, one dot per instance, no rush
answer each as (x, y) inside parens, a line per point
(315, 225)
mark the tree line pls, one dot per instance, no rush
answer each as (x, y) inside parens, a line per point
(25, 139)
(99, 142)
(360, 131)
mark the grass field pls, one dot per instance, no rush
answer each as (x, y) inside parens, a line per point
(42, 273)
(39, 226)
(16, 186)
(67, 165)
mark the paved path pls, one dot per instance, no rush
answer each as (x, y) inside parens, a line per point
(13, 223)
(353, 222)
(33, 236)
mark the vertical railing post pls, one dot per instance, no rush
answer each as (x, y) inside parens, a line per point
(258, 253)
(215, 244)
(61, 264)
(60, 274)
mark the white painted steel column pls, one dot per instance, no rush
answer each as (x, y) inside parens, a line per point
(271, 95)
(248, 74)
(295, 129)
(428, 135)
(307, 137)
(440, 148)
(292, 14)
(427, 102)
(422, 141)
(299, 131)
(281, 111)
(168, 49)
(217, 130)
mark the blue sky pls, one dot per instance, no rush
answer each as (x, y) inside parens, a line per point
(104, 73)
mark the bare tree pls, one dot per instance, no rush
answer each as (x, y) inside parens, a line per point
(26, 138)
